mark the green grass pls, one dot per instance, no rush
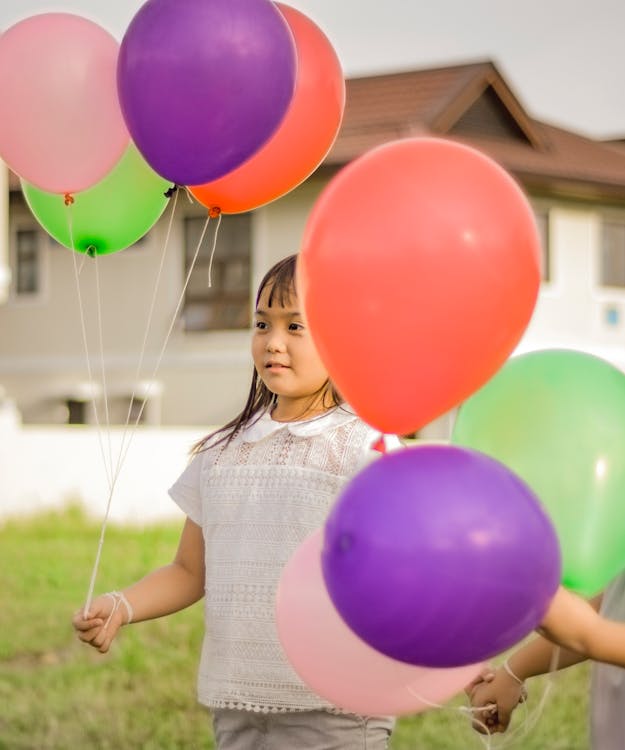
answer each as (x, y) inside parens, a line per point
(56, 693)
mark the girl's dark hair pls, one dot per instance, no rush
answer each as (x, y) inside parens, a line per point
(281, 278)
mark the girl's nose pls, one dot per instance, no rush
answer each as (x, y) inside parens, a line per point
(275, 344)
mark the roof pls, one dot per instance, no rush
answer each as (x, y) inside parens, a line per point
(472, 103)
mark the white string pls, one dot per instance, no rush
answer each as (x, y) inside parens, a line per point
(119, 598)
(115, 475)
(107, 419)
(116, 604)
(124, 449)
(531, 717)
(189, 195)
(210, 263)
(148, 327)
(82, 262)
(486, 739)
(86, 345)
(170, 329)
(527, 723)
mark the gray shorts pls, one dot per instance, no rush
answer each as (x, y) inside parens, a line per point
(300, 730)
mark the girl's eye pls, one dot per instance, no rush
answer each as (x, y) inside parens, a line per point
(296, 327)
(260, 325)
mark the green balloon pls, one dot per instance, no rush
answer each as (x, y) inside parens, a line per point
(111, 215)
(557, 419)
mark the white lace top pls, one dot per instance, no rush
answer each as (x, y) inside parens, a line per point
(256, 500)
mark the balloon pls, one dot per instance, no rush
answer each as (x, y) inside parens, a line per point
(557, 418)
(62, 128)
(419, 270)
(335, 663)
(440, 556)
(108, 217)
(204, 83)
(304, 136)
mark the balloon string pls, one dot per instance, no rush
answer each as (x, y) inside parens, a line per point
(83, 260)
(107, 419)
(110, 479)
(85, 342)
(528, 722)
(124, 449)
(169, 331)
(189, 194)
(211, 215)
(531, 717)
(148, 327)
(122, 453)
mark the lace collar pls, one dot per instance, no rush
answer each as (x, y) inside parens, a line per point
(265, 425)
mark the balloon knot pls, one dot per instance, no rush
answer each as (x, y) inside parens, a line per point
(214, 212)
(68, 198)
(170, 191)
(379, 445)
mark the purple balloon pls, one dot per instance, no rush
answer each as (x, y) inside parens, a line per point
(440, 556)
(203, 84)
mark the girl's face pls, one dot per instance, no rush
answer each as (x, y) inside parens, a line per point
(286, 359)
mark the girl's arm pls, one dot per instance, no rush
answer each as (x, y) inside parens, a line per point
(162, 592)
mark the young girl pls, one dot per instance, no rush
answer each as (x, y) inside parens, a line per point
(252, 492)
(577, 626)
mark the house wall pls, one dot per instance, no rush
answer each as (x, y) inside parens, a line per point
(574, 310)
(203, 377)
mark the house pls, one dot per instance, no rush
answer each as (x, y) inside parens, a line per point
(576, 186)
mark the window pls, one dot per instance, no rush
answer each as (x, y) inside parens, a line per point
(28, 279)
(120, 410)
(76, 411)
(542, 223)
(226, 303)
(612, 271)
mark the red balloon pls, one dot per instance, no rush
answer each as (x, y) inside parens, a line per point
(304, 136)
(419, 271)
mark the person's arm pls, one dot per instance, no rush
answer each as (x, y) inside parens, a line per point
(570, 638)
(162, 592)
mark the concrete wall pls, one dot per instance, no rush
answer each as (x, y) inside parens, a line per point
(49, 467)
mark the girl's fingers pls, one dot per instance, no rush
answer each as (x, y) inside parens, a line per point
(105, 637)
(83, 625)
(89, 636)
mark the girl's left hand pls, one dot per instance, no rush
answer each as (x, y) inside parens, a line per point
(100, 625)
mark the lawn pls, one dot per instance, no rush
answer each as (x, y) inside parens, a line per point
(56, 693)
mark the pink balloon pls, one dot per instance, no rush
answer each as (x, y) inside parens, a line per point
(336, 664)
(62, 127)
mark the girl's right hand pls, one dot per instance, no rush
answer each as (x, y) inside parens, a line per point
(101, 623)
